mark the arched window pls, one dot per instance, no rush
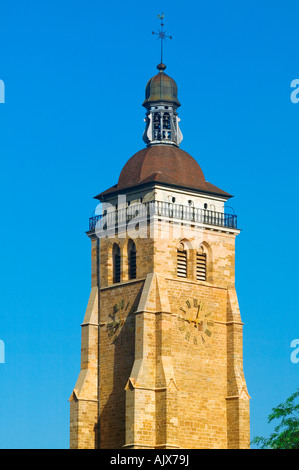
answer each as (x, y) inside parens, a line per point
(166, 126)
(116, 263)
(201, 265)
(132, 259)
(157, 126)
(181, 261)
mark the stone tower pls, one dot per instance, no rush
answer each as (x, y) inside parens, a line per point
(161, 352)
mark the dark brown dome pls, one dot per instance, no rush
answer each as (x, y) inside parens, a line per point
(164, 164)
(161, 162)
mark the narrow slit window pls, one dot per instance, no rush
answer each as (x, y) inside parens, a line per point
(181, 263)
(132, 259)
(201, 267)
(116, 264)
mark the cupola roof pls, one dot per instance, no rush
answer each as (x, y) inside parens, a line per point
(161, 88)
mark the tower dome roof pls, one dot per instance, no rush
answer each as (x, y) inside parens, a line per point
(166, 165)
(161, 87)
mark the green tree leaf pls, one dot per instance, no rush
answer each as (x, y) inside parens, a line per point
(286, 433)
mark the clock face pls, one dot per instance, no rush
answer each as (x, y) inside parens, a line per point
(195, 321)
(120, 315)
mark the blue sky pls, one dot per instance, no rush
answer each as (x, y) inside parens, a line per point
(74, 76)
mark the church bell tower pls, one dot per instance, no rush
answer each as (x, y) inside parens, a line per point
(161, 347)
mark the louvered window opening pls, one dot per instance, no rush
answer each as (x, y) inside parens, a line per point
(201, 267)
(132, 264)
(182, 264)
(116, 267)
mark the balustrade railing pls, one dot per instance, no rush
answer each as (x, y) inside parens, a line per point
(165, 210)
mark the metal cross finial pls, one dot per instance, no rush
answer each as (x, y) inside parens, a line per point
(161, 34)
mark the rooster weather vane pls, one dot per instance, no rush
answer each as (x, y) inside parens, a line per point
(161, 34)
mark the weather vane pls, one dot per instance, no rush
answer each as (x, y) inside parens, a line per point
(161, 34)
